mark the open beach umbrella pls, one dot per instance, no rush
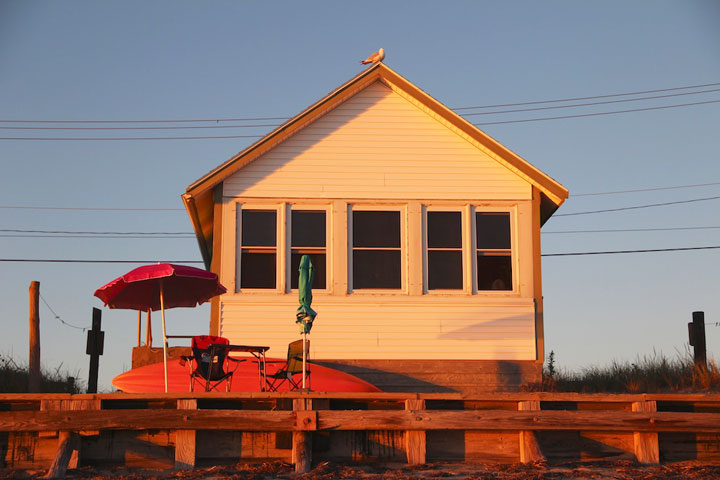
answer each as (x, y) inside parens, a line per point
(305, 314)
(161, 286)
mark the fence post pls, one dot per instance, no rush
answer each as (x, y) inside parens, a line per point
(529, 445)
(415, 440)
(305, 422)
(34, 356)
(94, 348)
(185, 440)
(647, 448)
(696, 332)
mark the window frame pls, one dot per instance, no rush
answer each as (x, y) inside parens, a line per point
(515, 271)
(327, 209)
(279, 246)
(402, 209)
(466, 283)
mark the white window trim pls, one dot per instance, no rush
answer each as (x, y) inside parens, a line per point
(464, 219)
(514, 246)
(394, 207)
(280, 245)
(329, 257)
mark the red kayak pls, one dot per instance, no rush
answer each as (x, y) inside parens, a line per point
(150, 379)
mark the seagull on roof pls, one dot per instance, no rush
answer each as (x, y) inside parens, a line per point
(375, 57)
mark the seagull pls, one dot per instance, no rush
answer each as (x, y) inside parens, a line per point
(375, 57)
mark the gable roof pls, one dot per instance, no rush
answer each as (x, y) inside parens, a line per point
(200, 198)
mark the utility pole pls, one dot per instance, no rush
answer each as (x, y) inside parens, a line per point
(34, 357)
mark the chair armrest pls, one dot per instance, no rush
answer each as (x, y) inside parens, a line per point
(185, 358)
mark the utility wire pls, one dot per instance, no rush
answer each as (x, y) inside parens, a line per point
(609, 252)
(58, 316)
(175, 127)
(636, 207)
(589, 98)
(257, 119)
(645, 189)
(98, 237)
(604, 102)
(93, 233)
(613, 252)
(593, 114)
(619, 230)
(102, 209)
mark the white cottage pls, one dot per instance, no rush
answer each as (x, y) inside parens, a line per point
(424, 233)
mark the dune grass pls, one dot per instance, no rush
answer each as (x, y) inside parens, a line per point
(14, 378)
(654, 373)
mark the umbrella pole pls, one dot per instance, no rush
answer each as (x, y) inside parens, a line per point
(304, 358)
(165, 346)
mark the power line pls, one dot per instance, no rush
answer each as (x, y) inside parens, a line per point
(645, 189)
(613, 252)
(35, 260)
(101, 209)
(623, 230)
(593, 114)
(609, 252)
(93, 233)
(98, 237)
(208, 137)
(171, 127)
(58, 316)
(635, 207)
(589, 98)
(605, 102)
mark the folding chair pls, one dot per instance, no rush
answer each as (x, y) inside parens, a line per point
(210, 364)
(292, 367)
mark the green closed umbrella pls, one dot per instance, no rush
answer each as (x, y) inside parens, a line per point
(305, 314)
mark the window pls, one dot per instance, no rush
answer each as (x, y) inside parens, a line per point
(494, 257)
(444, 250)
(308, 238)
(376, 261)
(258, 252)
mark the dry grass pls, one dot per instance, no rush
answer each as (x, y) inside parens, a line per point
(649, 374)
(14, 378)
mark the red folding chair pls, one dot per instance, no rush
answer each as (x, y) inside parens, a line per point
(210, 365)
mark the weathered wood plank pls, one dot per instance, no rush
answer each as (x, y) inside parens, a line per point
(69, 442)
(647, 449)
(185, 440)
(415, 441)
(529, 446)
(302, 439)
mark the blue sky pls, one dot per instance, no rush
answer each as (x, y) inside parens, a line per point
(137, 60)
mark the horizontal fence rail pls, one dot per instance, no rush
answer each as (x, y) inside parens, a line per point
(41, 430)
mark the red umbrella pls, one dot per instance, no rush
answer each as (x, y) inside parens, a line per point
(158, 287)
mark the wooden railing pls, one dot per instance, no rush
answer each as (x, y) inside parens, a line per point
(625, 424)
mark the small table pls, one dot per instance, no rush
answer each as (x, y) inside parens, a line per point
(256, 351)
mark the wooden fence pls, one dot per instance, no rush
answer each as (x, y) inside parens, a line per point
(182, 430)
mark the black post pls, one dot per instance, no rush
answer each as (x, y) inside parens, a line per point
(696, 330)
(95, 341)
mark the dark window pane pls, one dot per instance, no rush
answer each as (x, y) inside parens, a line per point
(444, 229)
(257, 270)
(494, 272)
(493, 230)
(308, 229)
(259, 227)
(319, 269)
(376, 269)
(376, 229)
(445, 270)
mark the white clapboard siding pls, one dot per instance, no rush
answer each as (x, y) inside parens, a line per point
(450, 331)
(377, 145)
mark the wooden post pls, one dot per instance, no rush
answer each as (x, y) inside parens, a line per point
(139, 326)
(148, 330)
(185, 440)
(696, 332)
(302, 437)
(95, 341)
(529, 445)
(34, 357)
(415, 440)
(68, 450)
(647, 448)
